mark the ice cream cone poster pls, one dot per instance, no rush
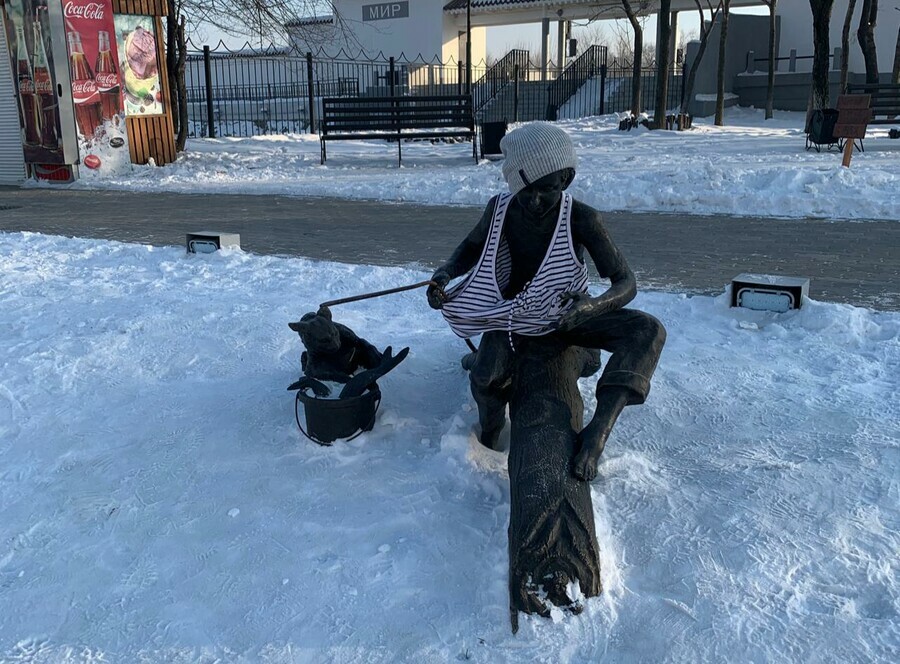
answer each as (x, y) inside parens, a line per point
(136, 37)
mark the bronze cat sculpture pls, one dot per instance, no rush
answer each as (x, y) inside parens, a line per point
(336, 353)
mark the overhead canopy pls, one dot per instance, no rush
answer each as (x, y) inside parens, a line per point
(508, 12)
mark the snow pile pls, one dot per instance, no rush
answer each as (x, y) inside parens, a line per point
(157, 502)
(751, 166)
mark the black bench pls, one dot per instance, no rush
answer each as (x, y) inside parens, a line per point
(397, 119)
(885, 102)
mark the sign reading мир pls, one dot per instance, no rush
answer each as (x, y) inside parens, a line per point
(385, 10)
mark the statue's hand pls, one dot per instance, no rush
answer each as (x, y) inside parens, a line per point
(583, 307)
(435, 292)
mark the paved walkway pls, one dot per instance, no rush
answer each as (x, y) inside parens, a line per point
(854, 262)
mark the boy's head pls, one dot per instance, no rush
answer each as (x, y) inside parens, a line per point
(534, 151)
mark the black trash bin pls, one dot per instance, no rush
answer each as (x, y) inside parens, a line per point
(491, 135)
(820, 129)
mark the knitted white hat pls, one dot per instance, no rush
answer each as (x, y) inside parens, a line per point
(533, 151)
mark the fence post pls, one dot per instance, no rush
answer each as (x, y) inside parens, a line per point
(311, 98)
(751, 62)
(602, 89)
(836, 62)
(459, 75)
(516, 93)
(391, 74)
(792, 63)
(207, 72)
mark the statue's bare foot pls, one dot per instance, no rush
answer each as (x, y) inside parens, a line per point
(584, 466)
(491, 438)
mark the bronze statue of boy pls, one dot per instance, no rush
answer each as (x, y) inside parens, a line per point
(527, 278)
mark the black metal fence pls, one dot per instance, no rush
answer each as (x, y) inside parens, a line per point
(250, 92)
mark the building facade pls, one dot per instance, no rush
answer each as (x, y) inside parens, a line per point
(404, 29)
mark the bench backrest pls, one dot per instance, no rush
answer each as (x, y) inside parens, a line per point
(394, 114)
(885, 97)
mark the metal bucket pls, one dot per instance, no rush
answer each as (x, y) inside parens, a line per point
(330, 419)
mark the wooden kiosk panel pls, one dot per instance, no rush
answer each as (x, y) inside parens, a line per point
(151, 136)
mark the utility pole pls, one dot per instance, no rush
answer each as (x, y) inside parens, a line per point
(468, 47)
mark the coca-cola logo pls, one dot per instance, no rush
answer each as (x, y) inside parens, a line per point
(107, 81)
(92, 11)
(26, 86)
(83, 88)
(43, 86)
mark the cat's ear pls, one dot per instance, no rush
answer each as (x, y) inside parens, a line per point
(325, 312)
(299, 326)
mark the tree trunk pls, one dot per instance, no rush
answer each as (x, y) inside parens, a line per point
(552, 539)
(866, 36)
(182, 134)
(695, 65)
(662, 62)
(845, 45)
(172, 60)
(638, 58)
(821, 11)
(176, 52)
(720, 72)
(895, 71)
(770, 81)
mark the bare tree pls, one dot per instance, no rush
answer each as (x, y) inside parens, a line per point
(636, 26)
(616, 35)
(770, 81)
(662, 62)
(176, 54)
(263, 18)
(821, 11)
(705, 30)
(895, 70)
(845, 45)
(866, 35)
(720, 70)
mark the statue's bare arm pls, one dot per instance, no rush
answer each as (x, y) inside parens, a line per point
(588, 231)
(463, 258)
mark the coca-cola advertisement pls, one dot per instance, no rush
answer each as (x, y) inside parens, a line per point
(96, 79)
(28, 36)
(136, 37)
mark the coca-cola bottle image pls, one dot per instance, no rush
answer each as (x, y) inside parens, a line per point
(43, 87)
(31, 112)
(107, 78)
(84, 89)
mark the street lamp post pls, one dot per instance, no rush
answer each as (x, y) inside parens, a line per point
(468, 47)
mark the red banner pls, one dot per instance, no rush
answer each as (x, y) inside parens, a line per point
(96, 78)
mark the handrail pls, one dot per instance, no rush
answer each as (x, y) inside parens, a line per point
(588, 65)
(499, 76)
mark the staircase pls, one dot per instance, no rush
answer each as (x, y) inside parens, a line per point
(498, 78)
(532, 103)
(525, 100)
(587, 66)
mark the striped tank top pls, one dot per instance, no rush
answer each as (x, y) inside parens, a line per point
(476, 305)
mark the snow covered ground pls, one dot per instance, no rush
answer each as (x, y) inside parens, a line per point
(157, 502)
(750, 167)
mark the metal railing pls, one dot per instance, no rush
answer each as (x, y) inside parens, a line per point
(590, 64)
(755, 64)
(250, 92)
(499, 76)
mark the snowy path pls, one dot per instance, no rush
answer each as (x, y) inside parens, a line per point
(158, 504)
(750, 167)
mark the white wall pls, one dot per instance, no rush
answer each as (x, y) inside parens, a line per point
(419, 33)
(427, 31)
(797, 32)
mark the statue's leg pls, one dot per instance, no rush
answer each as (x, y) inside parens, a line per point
(490, 380)
(635, 340)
